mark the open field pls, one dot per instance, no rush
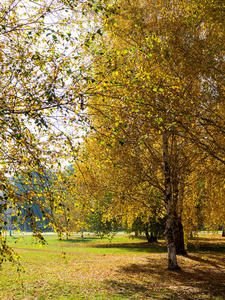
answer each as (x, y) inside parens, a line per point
(123, 268)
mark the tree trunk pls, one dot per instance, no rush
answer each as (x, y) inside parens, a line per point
(179, 236)
(169, 235)
(147, 236)
(177, 201)
(223, 233)
(154, 237)
(172, 258)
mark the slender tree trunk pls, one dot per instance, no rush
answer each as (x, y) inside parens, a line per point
(66, 222)
(10, 227)
(169, 235)
(147, 236)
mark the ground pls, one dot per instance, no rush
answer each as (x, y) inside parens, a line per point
(123, 268)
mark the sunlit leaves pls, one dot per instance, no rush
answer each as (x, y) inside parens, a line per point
(40, 84)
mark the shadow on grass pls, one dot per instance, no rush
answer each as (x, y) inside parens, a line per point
(207, 261)
(97, 242)
(140, 246)
(131, 290)
(13, 237)
(208, 239)
(203, 280)
(81, 240)
(206, 245)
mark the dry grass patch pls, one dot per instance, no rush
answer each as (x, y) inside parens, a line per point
(128, 270)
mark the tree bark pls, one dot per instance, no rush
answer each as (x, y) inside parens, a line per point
(177, 199)
(223, 232)
(169, 234)
(172, 258)
(179, 236)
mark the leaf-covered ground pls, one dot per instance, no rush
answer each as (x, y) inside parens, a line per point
(120, 269)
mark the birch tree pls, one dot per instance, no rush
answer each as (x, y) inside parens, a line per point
(145, 79)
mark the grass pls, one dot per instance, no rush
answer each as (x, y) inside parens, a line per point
(122, 268)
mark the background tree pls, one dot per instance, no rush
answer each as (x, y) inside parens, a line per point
(96, 220)
(70, 213)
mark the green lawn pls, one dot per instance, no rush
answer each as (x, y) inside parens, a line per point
(122, 268)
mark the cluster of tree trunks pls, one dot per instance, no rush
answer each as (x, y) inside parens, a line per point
(151, 237)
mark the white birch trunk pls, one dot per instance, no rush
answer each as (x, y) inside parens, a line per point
(169, 236)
